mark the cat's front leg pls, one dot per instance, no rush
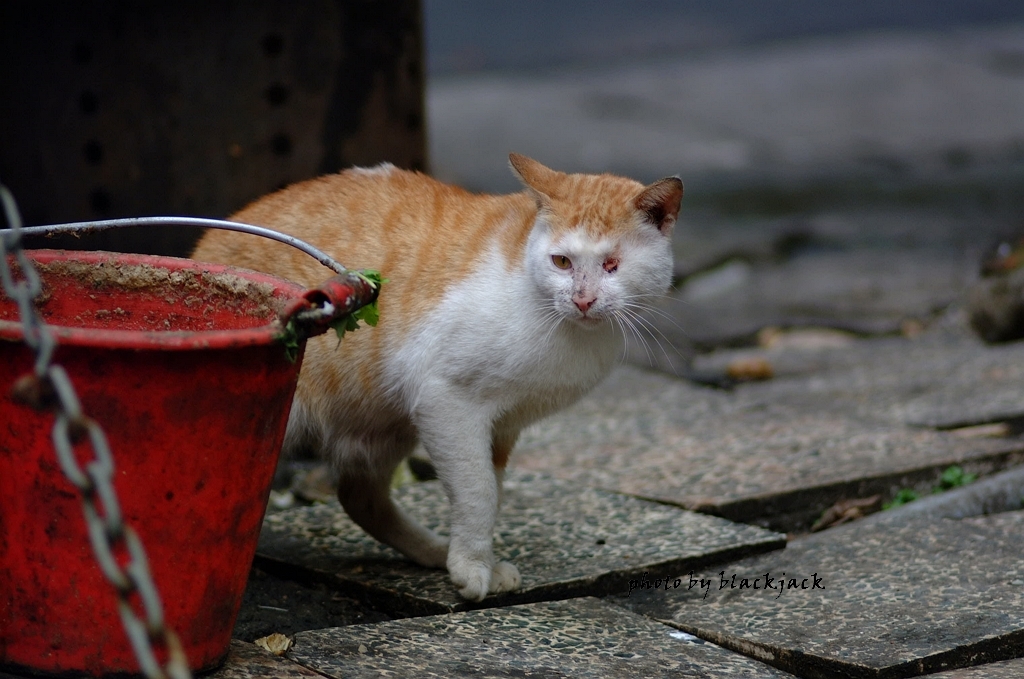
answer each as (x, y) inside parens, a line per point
(457, 436)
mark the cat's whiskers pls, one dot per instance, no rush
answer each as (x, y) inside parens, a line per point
(625, 338)
(643, 334)
(552, 318)
(650, 308)
(623, 316)
(651, 329)
(637, 312)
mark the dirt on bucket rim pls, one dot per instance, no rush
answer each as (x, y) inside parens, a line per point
(136, 301)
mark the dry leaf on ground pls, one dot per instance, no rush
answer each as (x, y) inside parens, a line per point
(278, 644)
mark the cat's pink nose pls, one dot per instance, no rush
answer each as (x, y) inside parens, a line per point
(584, 303)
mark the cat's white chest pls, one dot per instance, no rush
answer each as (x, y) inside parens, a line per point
(494, 341)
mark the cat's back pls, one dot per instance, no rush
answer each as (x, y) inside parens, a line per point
(425, 237)
(418, 232)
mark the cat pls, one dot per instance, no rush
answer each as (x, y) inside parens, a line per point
(498, 311)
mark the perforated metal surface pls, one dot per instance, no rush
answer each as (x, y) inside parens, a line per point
(194, 108)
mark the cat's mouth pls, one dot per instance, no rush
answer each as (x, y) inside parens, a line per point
(589, 321)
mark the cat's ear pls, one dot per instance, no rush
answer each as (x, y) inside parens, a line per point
(660, 202)
(542, 181)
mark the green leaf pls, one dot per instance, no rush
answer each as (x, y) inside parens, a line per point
(903, 497)
(373, 277)
(954, 477)
(290, 339)
(369, 314)
(402, 476)
(345, 324)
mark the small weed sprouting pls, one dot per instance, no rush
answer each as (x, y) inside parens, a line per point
(903, 497)
(953, 477)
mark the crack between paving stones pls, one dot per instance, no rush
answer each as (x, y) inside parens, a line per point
(788, 511)
(808, 666)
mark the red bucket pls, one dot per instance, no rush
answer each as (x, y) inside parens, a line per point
(178, 361)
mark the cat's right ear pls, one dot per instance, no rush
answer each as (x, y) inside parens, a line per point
(541, 181)
(660, 202)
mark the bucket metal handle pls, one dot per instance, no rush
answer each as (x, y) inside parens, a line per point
(105, 224)
(316, 311)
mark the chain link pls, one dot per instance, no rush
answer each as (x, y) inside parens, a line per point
(49, 388)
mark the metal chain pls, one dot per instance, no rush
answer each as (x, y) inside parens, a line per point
(50, 388)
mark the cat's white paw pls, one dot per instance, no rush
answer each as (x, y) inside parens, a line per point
(476, 579)
(505, 577)
(473, 578)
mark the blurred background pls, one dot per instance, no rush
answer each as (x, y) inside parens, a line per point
(731, 92)
(847, 165)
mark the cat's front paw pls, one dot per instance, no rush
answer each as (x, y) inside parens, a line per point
(505, 577)
(477, 578)
(472, 581)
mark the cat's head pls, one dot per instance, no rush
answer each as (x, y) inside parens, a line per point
(601, 247)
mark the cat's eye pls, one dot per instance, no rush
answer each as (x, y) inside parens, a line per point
(611, 265)
(561, 261)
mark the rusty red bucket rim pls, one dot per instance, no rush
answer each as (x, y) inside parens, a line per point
(157, 339)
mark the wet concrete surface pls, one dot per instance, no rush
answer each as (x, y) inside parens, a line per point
(776, 453)
(866, 600)
(578, 638)
(566, 539)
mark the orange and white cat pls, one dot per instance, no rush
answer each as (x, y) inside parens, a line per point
(499, 310)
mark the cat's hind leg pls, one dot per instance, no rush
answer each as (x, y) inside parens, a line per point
(364, 490)
(501, 448)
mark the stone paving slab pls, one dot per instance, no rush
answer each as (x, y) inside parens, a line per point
(576, 638)
(746, 459)
(1007, 669)
(246, 661)
(867, 291)
(1006, 521)
(946, 378)
(567, 540)
(892, 600)
(812, 363)
(286, 606)
(993, 495)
